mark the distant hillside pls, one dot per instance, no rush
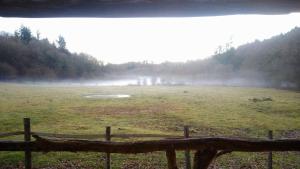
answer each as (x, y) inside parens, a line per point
(276, 60)
(270, 63)
(23, 56)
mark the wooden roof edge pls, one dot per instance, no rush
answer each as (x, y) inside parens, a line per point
(143, 8)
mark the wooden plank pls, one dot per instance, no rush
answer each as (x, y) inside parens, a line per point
(228, 144)
(8, 134)
(145, 136)
(27, 139)
(75, 136)
(171, 158)
(8, 145)
(107, 138)
(243, 145)
(144, 8)
(99, 136)
(187, 152)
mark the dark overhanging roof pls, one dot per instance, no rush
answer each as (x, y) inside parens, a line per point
(143, 8)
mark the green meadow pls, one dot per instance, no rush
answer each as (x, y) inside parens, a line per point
(208, 110)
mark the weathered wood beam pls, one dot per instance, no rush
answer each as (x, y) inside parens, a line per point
(8, 134)
(143, 8)
(91, 136)
(228, 144)
(13, 145)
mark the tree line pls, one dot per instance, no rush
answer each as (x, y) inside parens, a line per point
(24, 56)
(273, 62)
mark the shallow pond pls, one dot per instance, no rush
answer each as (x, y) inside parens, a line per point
(106, 96)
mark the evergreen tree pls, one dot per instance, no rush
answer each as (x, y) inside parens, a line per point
(25, 34)
(61, 42)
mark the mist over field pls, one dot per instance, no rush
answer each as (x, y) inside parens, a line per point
(269, 63)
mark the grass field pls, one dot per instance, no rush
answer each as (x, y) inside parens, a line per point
(210, 111)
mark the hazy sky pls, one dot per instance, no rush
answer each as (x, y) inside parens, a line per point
(155, 39)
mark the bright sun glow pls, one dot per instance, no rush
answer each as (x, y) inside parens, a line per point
(155, 39)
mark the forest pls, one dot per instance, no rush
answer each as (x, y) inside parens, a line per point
(27, 57)
(273, 62)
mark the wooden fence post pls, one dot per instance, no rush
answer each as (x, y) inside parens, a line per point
(270, 136)
(187, 152)
(171, 157)
(107, 138)
(27, 138)
(203, 158)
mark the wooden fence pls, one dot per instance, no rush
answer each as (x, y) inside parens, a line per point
(206, 149)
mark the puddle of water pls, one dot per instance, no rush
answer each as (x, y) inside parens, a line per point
(106, 96)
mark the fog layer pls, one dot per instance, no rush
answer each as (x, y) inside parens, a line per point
(270, 63)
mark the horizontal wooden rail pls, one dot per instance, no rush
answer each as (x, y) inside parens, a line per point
(99, 136)
(90, 136)
(8, 134)
(75, 136)
(228, 144)
(145, 136)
